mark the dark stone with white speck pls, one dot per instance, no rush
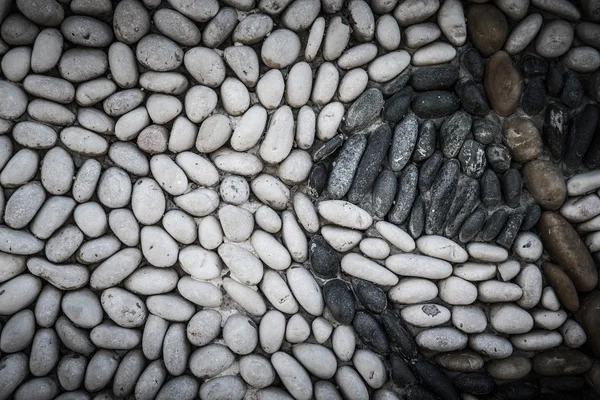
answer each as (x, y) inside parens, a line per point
(401, 372)
(474, 383)
(491, 192)
(370, 163)
(472, 158)
(572, 92)
(472, 98)
(511, 230)
(364, 110)
(339, 300)
(426, 142)
(317, 180)
(407, 191)
(494, 224)
(472, 226)
(371, 332)
(485, 130)
(556, 130)
(453, 132)
(554, 79)
(398, 334)
(434, 78)
(534, 97)
(384, 192)
(417, 392)
(397, 106)
(517, 390)
(324, 150)
(467, 198)
(324, 259)
(429, 170)
(395, 85)
(416, 222)
(403, 142)
(534, 66)
(498, 157)
(434, 378)
(474, 64)
(533, 212)
(369, 295)
(435, 104)
(345, 165)
(580, 137)
(443, 189)
(512, 184)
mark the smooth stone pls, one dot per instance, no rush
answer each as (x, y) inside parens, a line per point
(413, 291)
(412, 12)
(294, 377)
(386, 67)
(583, 183)
(434, 104)
(537, 340)
(572, 91)
(472, 271)
(504, 98)
(491, 345)
(473, 98)
(523, 139)
(582, 59)
(499, 292)
(550, 300)
(581, 136)
(511, 368)
(460, 361)
(545, 183)
(441, 248)
(339, 301)
(403, 143)
(573, 334)
(560, 8)
(443, 188)
(433, 53)
(554, 39)
(425, 145)
(474, 383)
(152, 280)
(426, 315)
(441, 339)
(280, 49)
(561, 362)
(419, 266)
(523, 34)
(457, 291)
(366, 108)
(469, 319)
(488, 28)
(510, 319)
(498, 157)
(528, 247)
(397, 106)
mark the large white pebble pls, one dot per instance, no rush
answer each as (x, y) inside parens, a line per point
(197, 168)
(214, 132)
(249, 299)
(413, 291)
(388, 66)
(240, 334)
(326, 83)
(158, 247)
(249, 128)
(210, 233)
(305, 289)
(199, 202)
(293, 376)
(201, 293)
(457, 291)
(205, 65)
(200, 101)
(242, 263)
(148, 281)
(180, 226)
(280, 49)
(356, 265)
(234, 96)
(298, 85)
(199, 263)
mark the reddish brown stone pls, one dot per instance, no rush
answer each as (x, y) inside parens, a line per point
(562, 285)
(487, 27)
(546, 184)
(503, 84)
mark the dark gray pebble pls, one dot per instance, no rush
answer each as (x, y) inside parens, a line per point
(485, 130)
(434, 379)
(364, 110)
(472, 158)
(511, 230)
(467, 198)
(472, 98)
(554, 79)
(472, 226)
(592, 156)
(474, 64)
(443, 189)
(397, 106)
(491, 192)
(494, 225)
(429, 170)
(498, 157)
(339, 300)
(324, 259)
(416, 222)
(572, 92)
(384, 192)
(453, 132)
(407, 192)
(371, 332)
(400, 338)
(562, 383)
(580, 137)
(403, 142)
(435, 104)
(370, 295)
(534, 65)
(321, 150)
(370, 163)
(434, 78)
(418, 392)
(344, 167)
(534, 97)
(401, 372)
(556, 130)
(533, 212)
(517, 390)
(317, 180)
(426, 142)
(512, 184)
(474, 383)
(395, 85)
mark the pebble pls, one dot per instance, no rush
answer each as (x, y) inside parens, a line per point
(487, 29)
(504, 98)
(425, 315)
(554, 39)
(433, 53)
(537, 340)
(457, 291)
(418, 266)
(510, 319)
(513, 367)
(491, 345)
(523, 34)
(293, 376)
(545, 183)
(412, 12)
(441, 248)
(419, 35)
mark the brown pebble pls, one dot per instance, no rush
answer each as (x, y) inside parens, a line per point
(588, 317)
(545, 182)
(562, 285)
(487, 27)
(503, 84)
(460, 361)
(523, 139)
(559, 362)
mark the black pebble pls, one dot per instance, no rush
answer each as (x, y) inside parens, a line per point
(491, 192)
(485, 130)
(399, 336)
(472, 98)
(554, 79)
(397, 106)
(474, 64)
(472, 158)
(534, 97)
(403, 142)
(339, 300)
(401, 372)
(384, 192)
(323, 150)
(417, 392)
(572, 93)
(435, 104)
(370, 163)
(534, 66)
(396, 84)
(453, 132)
(364, 110)
(494, 225)
(562, 383)
(472, 226)
(511, 230)
(556, 130)
(416, 222)
(407, 192)
(369, 295)
(371, 332)
(434, 78)
(317, 180)
(592, 156)
(442, 190)
(518, 390)
(498, 156)
(511, 187)
(323, 258)
(429, 170)
(467, 198)
(345, 165)
(580, 137)
(533, 212)
(425, 142)
(474, 383)
(435, 379)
